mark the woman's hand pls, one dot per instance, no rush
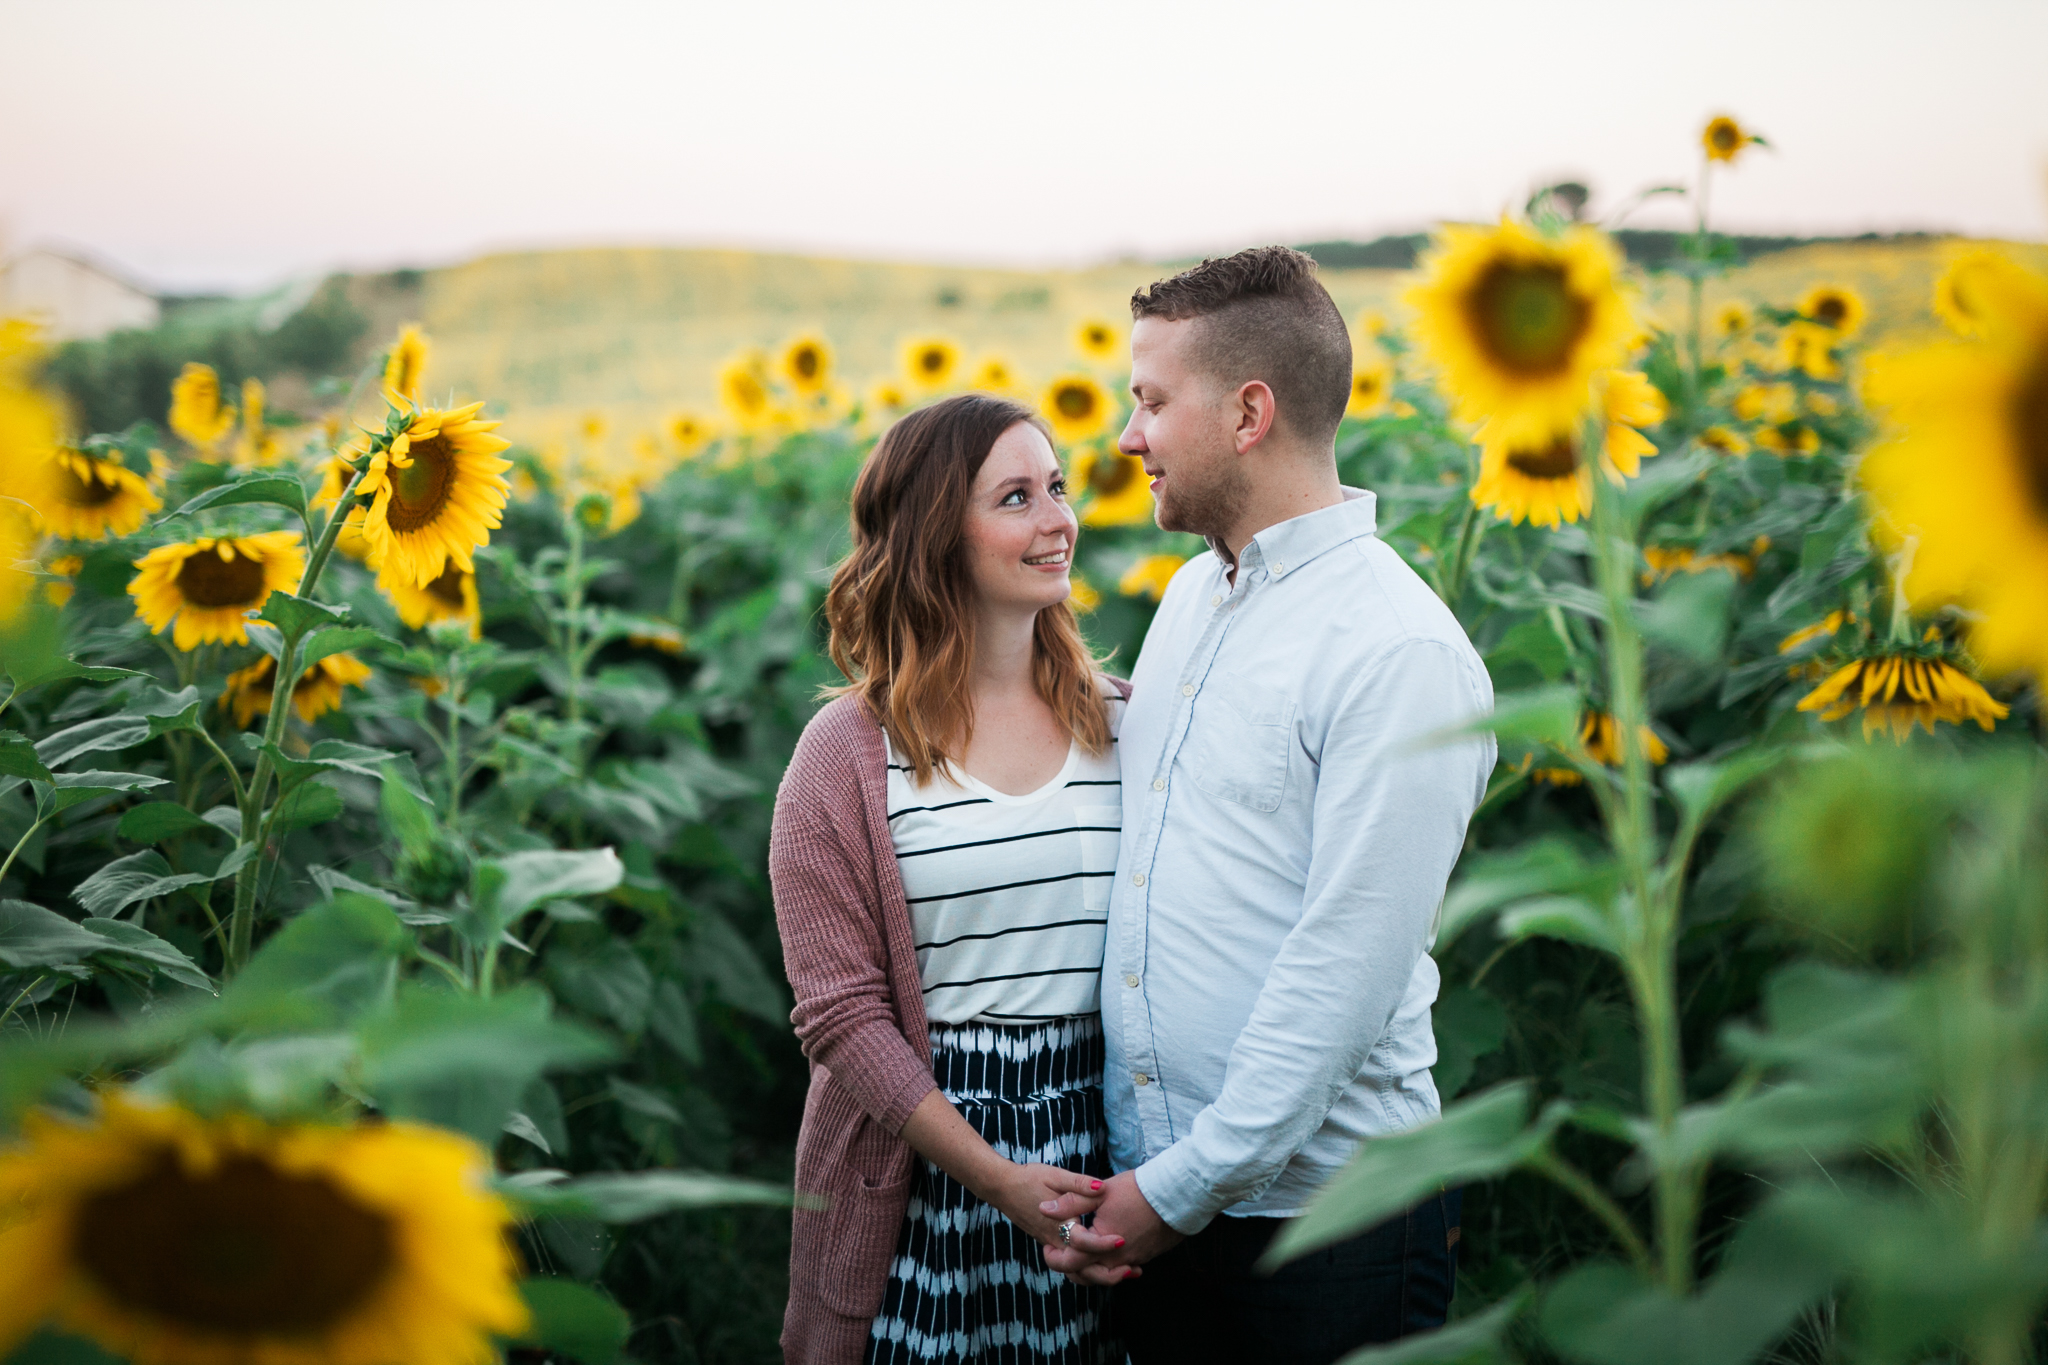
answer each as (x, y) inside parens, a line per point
(1024, 1188)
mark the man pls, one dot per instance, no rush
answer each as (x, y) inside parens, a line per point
(1287, 836)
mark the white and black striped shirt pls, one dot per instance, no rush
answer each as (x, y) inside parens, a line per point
(1008, 894)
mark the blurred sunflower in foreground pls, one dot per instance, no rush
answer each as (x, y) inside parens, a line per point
(1149, 576)
(80, 497)
(1963, 469)
(209, 586)
(1518, 324)
(1548, 481)
(169, 1239)
(436, 494)
(250, 690)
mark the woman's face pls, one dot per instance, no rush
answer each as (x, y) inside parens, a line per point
(1020, 531)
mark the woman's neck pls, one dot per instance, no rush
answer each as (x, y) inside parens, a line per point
(1005, 643)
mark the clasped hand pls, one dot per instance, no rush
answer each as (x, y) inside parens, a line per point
(1126, 1232)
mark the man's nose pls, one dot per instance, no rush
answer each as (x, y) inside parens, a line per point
(1132, 442)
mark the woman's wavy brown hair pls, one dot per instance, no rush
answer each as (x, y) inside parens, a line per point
(901, 606)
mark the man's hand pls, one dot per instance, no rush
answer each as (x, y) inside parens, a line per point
(1124, 1214)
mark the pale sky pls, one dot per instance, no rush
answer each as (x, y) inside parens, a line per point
(233, 144)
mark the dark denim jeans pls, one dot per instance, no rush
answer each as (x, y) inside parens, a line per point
(1202, 1301)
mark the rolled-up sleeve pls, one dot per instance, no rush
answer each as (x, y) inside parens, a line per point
(1389, 820)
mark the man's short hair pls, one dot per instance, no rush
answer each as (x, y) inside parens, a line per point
(1264, 316)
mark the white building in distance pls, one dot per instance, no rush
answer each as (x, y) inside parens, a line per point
(74, 299)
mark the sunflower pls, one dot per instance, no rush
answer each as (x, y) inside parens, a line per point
(1972, 281)
(1600, 737)
(662, 637)
(1077, 407)
(1724, 441)
(1372, 388)
(1098, 340)
(1547, 482)
(1115, 485)
(82, 498)
(1771, 402)
(1518, 325)
(169, 1239)
(196, 411)
(317, 691)
(450, 597)
(1899, 691)
(690, 432)
(1964, 470)
(17, 545)
(1810, 347)
(744, 393)
(211, 585)
(1823, 628)
(930, 362)
(1724, 138)
(1372, 323)
(993, 374)
(807, 363)
(258, 443)
(1666, 560)
(1787, 439)
(1835, 307)
(1149, 576)
(60, 587)
(1732, 320)
(406, 362)
(1082, 595)
(435, 495)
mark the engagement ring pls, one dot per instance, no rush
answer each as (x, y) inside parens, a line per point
(1067, 1232)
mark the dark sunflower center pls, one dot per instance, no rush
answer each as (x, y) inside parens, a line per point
(806, 363)
(244, 1249)
(419, 492)
(1831, 310)
(448, 587)
(207, 580)
(1365, 386)
(1074, 403)
(84, 491)
(931, 361)
(1724, 137)
(1111, 476)
(1558, 460)
(2030, 427)
(1097, 337)
(1527, 317)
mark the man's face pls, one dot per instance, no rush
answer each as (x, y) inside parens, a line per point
(1185, 431)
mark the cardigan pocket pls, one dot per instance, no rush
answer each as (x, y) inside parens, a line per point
(861, 1231)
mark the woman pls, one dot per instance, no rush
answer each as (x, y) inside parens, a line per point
(943, 848)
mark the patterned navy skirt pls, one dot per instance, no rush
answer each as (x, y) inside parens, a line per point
(966, 1286)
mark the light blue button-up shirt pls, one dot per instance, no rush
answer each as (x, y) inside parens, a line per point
(1267, 982)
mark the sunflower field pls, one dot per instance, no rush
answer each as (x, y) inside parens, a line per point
(428, 1010)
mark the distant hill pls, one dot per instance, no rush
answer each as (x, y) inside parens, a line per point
(1648, 247)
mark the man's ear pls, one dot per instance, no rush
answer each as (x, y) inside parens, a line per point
(1255, 414)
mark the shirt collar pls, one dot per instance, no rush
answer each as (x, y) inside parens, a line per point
(1286, 546)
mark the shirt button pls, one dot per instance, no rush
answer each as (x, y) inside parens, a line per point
(1279, 569)
(1132, 981)
(1159, 784)
(1142, 1079)
(1187, 689)
(1217, 600)
(1137, 879)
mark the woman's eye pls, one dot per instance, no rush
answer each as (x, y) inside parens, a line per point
(1014, 495)
(1059, 488)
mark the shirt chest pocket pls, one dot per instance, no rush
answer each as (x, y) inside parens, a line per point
(1239, 741)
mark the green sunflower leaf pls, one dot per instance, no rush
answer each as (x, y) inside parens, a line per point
(73, 789)
(574, 1320)
(152, 822)
(296, 616)
(335, 639)
(92, 736)
(18, 757)
(31, 936)
(279, 490)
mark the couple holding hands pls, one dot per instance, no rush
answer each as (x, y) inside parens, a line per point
(1101, 980)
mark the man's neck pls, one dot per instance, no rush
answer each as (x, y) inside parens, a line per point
(1276, 500)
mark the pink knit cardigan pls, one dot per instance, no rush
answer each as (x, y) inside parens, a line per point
(852, 962)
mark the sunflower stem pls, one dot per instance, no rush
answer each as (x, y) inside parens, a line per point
(1461, 558)
(1649, 924)
(20, 844)
(572, 600)
(242, 923)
